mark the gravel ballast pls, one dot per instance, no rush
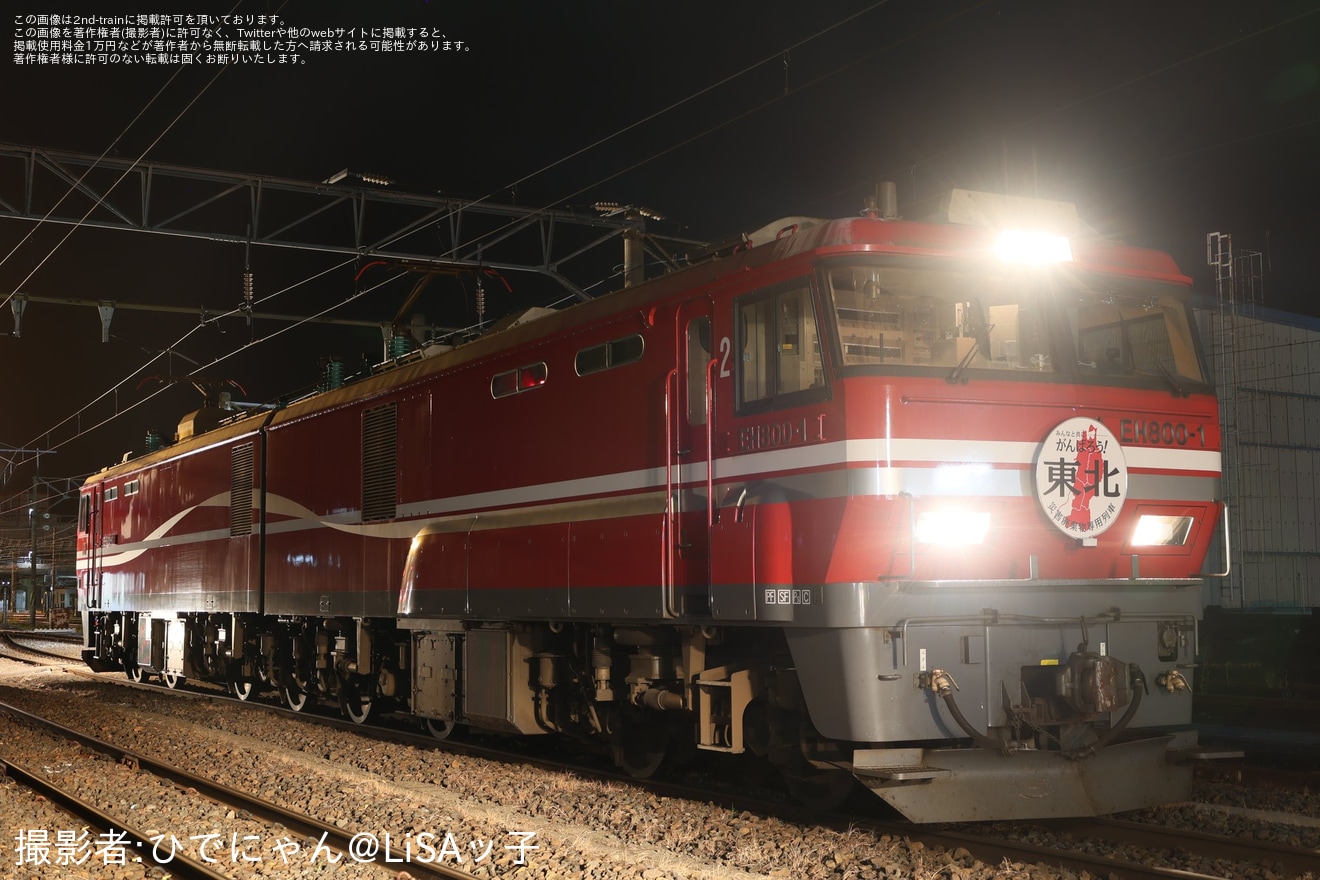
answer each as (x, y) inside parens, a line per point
(465, 806)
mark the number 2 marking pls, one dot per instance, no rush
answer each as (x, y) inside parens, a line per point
(726, 351)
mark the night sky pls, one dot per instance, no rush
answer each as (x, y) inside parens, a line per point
(1163, 120)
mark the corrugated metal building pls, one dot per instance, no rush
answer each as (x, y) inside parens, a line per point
(1266, 366)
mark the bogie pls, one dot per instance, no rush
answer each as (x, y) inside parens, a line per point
(642, 695)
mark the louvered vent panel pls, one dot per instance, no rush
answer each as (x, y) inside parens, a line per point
(379, 463)
(240, 490)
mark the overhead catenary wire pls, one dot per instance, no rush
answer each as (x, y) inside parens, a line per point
(235, 312)
(74, 228)
(55, 446)
(778, 55)
(1019, 124)
(854, 62)
(776, 99)
(75, 186)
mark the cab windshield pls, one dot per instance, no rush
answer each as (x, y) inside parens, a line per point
(961, 319)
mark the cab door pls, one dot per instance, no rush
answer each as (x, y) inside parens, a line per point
(773, 389)
(92, 537)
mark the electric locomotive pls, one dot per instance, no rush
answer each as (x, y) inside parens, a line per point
(922, 504)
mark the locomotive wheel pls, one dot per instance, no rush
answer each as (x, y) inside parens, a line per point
(822, 790)
(356, 708)
(172, 681)
(438, 728)
(243, 688)
(640, 751)
(295, 699)
(134, 673)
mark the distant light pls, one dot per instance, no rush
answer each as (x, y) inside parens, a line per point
(365, 177)
(630, 212)
(1020, 246)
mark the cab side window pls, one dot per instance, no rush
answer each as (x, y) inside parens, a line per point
(698, 356)
(780, 363)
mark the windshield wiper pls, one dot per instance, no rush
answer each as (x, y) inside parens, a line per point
(1175, 387)
(980, 340)
(1178, 390)
(957, 376)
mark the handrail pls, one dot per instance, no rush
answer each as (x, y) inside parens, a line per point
(670, 584)
(710, 445)
(710, 483)
(992, 617)
(1228, 549)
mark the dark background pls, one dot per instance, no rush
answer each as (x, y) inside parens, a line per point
(1163, 120)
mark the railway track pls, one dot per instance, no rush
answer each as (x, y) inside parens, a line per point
(1094, 846)
(25, 647)
(1103, 847)
(70, 636)
(57, 648)
(334, 841)
(1125, 847)
(113, 835)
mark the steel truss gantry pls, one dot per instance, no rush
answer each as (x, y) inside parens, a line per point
(367, 221)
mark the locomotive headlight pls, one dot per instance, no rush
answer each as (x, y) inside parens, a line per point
(1161, 531)
(953, 527)
(1020, 246)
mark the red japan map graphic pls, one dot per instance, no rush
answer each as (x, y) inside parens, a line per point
(1081, 477)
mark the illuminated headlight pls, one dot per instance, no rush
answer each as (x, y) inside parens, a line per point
(952, 528)
(1017, 246)
(1161, 531)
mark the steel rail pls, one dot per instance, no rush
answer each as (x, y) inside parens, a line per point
(50, 636)
(1293, 858)
(331, 835)
(8, 641)
(985, 847)
(177, 865)
(992, 851)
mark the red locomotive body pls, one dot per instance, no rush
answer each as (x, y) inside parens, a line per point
(777, 502)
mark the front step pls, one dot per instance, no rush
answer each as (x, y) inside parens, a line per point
(885, 764)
